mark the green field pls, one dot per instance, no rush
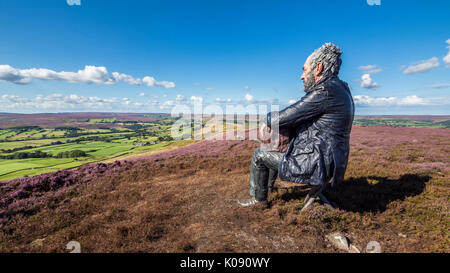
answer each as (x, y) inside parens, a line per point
(402, 123)
(103, 120)
(103, 152)
(99, 144)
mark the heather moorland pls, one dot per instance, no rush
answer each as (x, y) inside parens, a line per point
(396, 192)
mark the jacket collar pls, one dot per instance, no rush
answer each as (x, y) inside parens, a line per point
(320, 82)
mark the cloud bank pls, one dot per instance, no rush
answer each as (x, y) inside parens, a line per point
(77, 103)
(88, 75)
(362, 100)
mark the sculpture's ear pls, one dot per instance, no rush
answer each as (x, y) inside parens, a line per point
(318, 69)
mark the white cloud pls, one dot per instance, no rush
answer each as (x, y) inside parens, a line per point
(248, 97)
(60, 102)
(446, 59)
(370, 69)
(118, 77)
(440, 86)
(374, 71)
(223, 100)
(179, 98)
(142, 94)
(291, 101)
(166, 84)
(367, 82)
(373, 101)
(7, 73)
(74, 2)
(150, 81)
(167, 104)
(195, 99)
(422, 66)
(367, 67)
(363, 100)
(366, 79)
(90, 74)
(76, 103)
(412, 100)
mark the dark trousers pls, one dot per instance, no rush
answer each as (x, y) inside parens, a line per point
(263, 172)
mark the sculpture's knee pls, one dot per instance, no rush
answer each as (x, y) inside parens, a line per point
(257, 155)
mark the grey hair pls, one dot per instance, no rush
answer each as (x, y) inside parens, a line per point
(330, 56)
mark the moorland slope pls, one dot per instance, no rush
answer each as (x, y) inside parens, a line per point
(396, 191)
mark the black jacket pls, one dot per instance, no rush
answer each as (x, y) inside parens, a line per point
(320, 124)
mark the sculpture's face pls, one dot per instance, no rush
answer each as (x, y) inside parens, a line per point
(307, 76)
(311, 76)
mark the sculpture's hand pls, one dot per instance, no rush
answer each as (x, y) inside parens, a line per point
(264, 133)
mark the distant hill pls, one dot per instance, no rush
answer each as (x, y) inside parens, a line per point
(52, 120)
(404, 121)
(81, 119)
(435, 118)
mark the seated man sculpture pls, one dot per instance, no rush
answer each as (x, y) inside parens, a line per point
(319, 126)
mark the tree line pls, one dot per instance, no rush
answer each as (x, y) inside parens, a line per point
(41, 154)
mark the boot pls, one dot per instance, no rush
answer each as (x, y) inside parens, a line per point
(248, 202)
(261, 177)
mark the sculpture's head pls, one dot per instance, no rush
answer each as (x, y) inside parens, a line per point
(323, 62)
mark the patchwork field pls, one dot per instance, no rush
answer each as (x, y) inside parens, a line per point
(396, 192)
(404, 121)
(40, 143)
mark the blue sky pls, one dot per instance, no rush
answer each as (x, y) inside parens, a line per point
(146, 56)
